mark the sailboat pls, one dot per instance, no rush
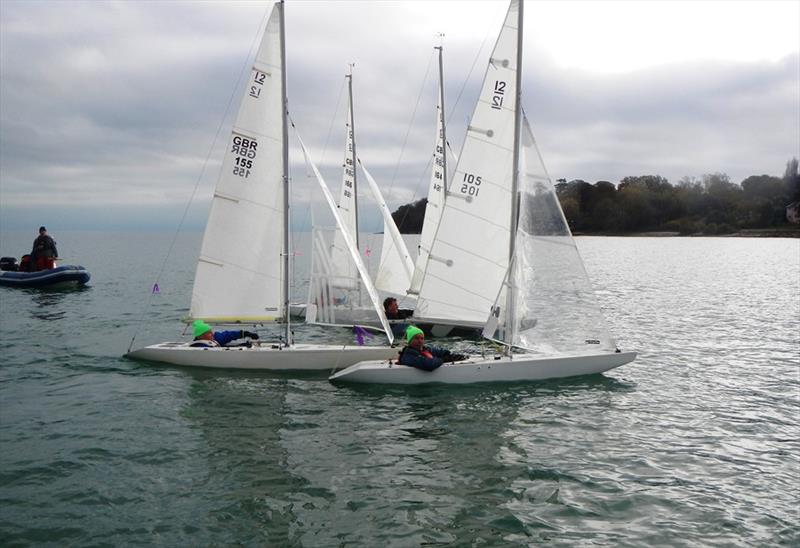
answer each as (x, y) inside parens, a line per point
(335, 290)
(503, 253)
(243, 271)
(397, 274)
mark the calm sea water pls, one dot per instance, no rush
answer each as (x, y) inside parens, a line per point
(697, 443)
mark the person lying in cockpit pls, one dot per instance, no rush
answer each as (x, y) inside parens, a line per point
(205, 336)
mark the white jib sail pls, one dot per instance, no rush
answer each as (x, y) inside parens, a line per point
(556, 311)
(239, 270)
(436, 199)
(351, 245)
(469, 256)
(345, 272)
(396, 266)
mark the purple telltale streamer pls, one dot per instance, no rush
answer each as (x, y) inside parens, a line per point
(360, 333)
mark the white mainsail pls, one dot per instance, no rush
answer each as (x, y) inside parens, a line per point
(470, 253)
(240, 270)
(396, 266)
(436, 192)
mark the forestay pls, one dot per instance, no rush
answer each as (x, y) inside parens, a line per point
(555, 309)
(239, 270)
(470, 253)
(355, 256)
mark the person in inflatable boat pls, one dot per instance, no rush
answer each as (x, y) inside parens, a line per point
(204, 336)
(44, 254)
(427, 358)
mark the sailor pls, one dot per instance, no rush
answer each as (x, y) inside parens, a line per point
(204, 336)
(393, 312)
(428, 358)
(44, 253)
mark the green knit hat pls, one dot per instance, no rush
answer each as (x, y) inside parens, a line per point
(199, 327)
(412, 331)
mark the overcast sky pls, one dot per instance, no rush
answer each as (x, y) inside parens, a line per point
(108, 110)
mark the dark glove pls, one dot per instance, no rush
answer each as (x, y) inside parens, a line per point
(456, 357)
(250, 334)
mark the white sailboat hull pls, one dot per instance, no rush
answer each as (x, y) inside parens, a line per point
(444, 327)
(431, 327)
(522, 367)
(300, 357)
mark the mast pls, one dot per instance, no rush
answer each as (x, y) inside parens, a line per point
(353, 155)
(441, 114)
(511, 297)
(285, 137)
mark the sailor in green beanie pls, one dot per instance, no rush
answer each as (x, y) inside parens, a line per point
(205, 336)
(428, 358)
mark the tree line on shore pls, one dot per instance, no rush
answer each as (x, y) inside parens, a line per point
(710, 204)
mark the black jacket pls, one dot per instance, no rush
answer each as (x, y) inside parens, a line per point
(414, 358)
(402, 314)
(44, 246)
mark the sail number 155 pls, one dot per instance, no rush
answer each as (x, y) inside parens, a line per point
(471, 184)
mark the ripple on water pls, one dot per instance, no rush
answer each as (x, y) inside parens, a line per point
(695, 443)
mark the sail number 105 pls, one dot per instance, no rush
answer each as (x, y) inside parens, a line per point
(471, 184)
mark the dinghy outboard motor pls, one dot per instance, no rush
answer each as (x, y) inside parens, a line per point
(8, 264)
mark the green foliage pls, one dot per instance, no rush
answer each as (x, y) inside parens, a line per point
(409, 217)
(711, 204)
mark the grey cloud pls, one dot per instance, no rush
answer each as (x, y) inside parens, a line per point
(117, 104)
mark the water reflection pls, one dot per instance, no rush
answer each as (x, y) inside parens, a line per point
(241, 417)
(46, 305)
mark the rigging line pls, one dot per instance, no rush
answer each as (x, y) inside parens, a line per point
(449, 117)
(171, 247)
(309, 212)
(410, 124)
(430, 158)
(489, 33)
(420, 180)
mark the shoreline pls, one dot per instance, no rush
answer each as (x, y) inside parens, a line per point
(745, 233)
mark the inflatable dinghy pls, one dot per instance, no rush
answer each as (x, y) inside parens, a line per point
(60, 276)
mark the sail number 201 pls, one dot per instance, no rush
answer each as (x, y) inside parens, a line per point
(471, 184)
